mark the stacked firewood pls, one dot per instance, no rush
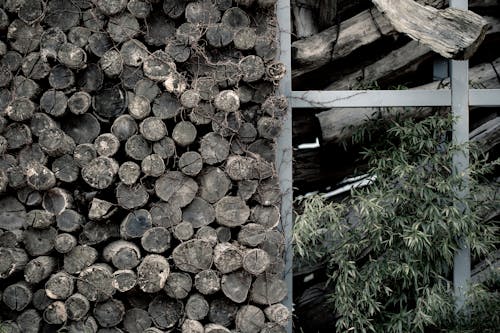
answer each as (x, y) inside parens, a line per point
(137, 184)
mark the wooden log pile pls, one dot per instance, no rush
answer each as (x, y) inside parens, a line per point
(138, 191)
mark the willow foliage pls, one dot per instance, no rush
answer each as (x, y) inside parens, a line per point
(390, 246)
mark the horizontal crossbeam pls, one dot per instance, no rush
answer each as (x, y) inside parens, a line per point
(388, 98)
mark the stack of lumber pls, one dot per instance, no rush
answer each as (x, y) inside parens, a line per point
(138, 191)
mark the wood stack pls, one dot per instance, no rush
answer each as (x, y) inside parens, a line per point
(137, 184)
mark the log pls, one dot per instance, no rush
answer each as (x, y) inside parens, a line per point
(153, 129)
(96, 283)
(178, 285)
(250, 319)
(441, 32)
(111, 63)
(165, 312)
(40, 300)
(246, 188)
(184, 133)
(207, 234)
(66, 169)
(109, 313)
(222, 312)
(72, 56)
(79, 258)
(268, 192)
(192, 326)
(35, 66)
(123, 254)
(55, 313)
(20, 109)
(156, 240)
(95, 233)
(39, 177)
(193, 256)
(24, 38)
(100, 173)
(166, 106)
(268, 217)
(176, 188)
(39, 268)
(13, 260)
(100, 209)
(124, 127)
(231, 211)
(29, 321)
(136, 320)
(227, 258)
(227, 101)
(183, 231)
(278, 313)
(244, 39)
(165, 148)
(268, 290)
(152, 273)
(214, 148)
(196, 307)
(129, 172)
(17, 296)
(137, 147)
(64, 243)
(77, 306)
(59, 286)
(131, 197)
(122, 27)
(165, 215)
(236, 286)
(153, 165)
(207, 282)
(124, 280)
(12, 214)
(140, 9)
(55, 142)
(135, 224)
(79, 36)
(17, 135)
(219, 35)
(223, 234)
(160, 29)
(70, 221)
(38, 242)
(82, 129)
(273, 328)
(190, 163)
(198, 213)
(252, 234)
(256, 261)
(215, 328)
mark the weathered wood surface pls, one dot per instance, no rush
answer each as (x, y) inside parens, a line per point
(451, 32)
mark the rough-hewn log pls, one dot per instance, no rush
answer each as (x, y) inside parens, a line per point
(207, 282)
(451, 32)
(38, 269)
(13, 260)
(178, 285)
(79, 258)
(165, 312)
(236, 286)
(193, 256)
(250, 319)
(96, 283)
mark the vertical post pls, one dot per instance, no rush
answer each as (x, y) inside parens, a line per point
(284, 147)
(460, 109)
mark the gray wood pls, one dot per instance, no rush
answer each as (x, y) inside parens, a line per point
(61, 77)
(66, 169)
(17, 135)
(96, 283)
(109, 102)
(178, 285)
(174, 8)
(55, 313)
(267, 216)
(40, 300)
(20, 109)
(13, 261)
(268, 290)
(111, 63)
(123, 254)
(192, 326)
(165, 147)
(64, 243)
(35, 66)
(226, 124)
(79, 258)
(231, 211)
(147, 88)
(62, 14)
(216, 328)
(91, 78)
(244, 39)
(440, 31)
(153, 129)
(250, 319)
(207, 282)
(51, 39)
(136, 320)
(55, 142)
(72, 56)
(161, 28)
(98, 232)
(268, 192)
(81, 128)
(110, 7)
(131, 197)
(178, 50)
(29, 321)
(84, 153)
(139, 8)
(158, 66)
(165, 312)
(222, 311)
(87, 324)
(223, 234)
(24, 38)
(165, 214)
(278, 313)
(133, 53)
(252, 234)
(264, 148)
(227, 258)
(193, 256)
(79, 36)
(130, 76)
(184, 133)
(190, 163)
(70, 220)
(17, 296)
(207, 234)
(227, 101)
(107, 144)
(122, 27)
(213, 148)
(204, 13)
(166, 106)
(137, 147)
(198, 213)
(129, 172)
(235, 18)
(269, 128)
(124, 280)
(39, 268)
(183, 231)
(196, 307)
(100, 173)
(176, 188)
(39, 242)
(156, 240)
(24, 87)
(240, 168)
(274, 243)
(59, 286)
(109, 313)
(153, 165)
(236, 286)
(135, 224)
(219, 35)
(39, 177)
(256, 261)
(246, 188)
(152, 273)
(12, 214)
(273, 328)
(124, 127)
